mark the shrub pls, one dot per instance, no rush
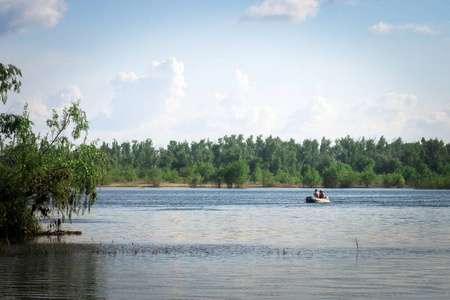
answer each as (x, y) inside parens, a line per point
(393, 179)
(155, 176)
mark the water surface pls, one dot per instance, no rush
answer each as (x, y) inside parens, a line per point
(243, 244)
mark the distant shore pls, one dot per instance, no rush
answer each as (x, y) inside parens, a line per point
(181, 185)
(142, 184)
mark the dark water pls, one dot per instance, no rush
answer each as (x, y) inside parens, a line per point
(242, 244)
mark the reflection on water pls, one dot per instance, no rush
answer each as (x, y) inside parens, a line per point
(50, 271)
(242, 244)
(224, 272)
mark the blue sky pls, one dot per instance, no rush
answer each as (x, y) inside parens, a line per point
(188, 70)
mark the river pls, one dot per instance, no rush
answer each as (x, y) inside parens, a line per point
(181, 243)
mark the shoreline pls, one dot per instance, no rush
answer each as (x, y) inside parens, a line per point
(183, 185)
(141, 184)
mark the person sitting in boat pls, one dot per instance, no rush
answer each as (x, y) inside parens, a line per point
(316, 193)
(321, 194)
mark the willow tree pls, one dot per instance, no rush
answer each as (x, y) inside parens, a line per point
(44, 176)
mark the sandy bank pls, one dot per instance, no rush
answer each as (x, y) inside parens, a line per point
(184, 185)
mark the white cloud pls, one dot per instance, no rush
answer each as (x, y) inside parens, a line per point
(321, 109)
(396, 115)
(146, 104)
(241, 111)
(37, 109)
(70, 94)
(438, 117)
(242, 79)
(16, 16)
(40, 107)
(392, 115)
(384, 28)
(63, 98)
(286, 10)
(123, 77)
(316, 117)
(398, 101)
(380, 28)
(433, 124)
(424, 29)
(266, 117)
(174, 70)
(220, 96)
(155, 106)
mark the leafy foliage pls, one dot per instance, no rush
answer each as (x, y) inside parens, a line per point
(9, 81)
(49, 176)
(343, 163)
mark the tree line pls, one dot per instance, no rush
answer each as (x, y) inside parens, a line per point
(234, 160)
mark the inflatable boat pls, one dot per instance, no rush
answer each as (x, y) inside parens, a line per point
(312, 199)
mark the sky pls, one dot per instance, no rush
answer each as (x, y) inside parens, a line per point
(191, 70)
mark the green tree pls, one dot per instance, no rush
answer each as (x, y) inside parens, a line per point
(171, 175)
(219, 175)
(128, 173)
(206, 171)
(194, 180)
(236, 173)
(9, 80)
(256, 175)
(268, 179)
(368, 176)
(393, 179)
(284, 177)
(312, 178)
(344, 164)
(436, 154)
(339, 174)
(309, 153)
(44, 176)
(409, 174)
(331, 176)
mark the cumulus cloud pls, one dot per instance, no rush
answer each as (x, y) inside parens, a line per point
(155, 106)
(146, 102)
(242, 79)
(438, 117)
(172, 70)
(398, 115)
(384, 28)
(40, 107)
(16, 16)
(37, 109)
(398, 101)
(315, 118)
(380, 28)
(284, 10)
(124, 77)
(65, 97)
(432, 124)
(392, 115)
(240, 111)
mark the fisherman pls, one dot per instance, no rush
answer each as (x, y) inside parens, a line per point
(316, 193)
